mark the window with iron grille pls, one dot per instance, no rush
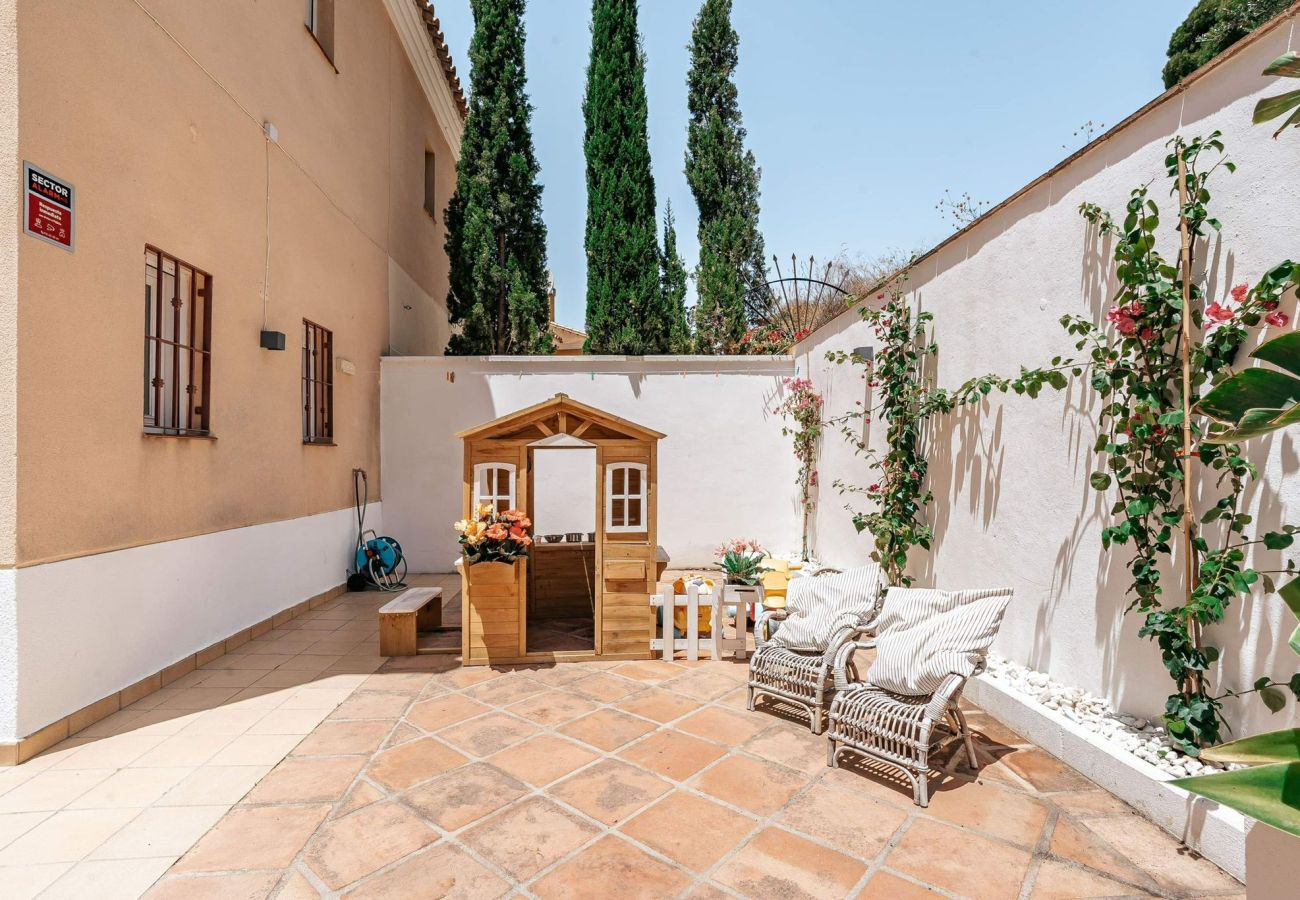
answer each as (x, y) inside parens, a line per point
(177, 345)
(317, 384)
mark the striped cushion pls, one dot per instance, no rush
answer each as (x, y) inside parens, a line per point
(817, 608)
(923, 635)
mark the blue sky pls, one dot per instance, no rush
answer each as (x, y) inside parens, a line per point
(861, 112)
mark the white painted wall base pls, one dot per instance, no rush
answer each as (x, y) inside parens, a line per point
(89, 626)
(8, 652)
(1217, 833)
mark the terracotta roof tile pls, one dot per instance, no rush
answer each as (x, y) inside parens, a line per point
(443, 53)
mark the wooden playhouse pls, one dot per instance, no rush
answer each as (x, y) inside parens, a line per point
(607, 573)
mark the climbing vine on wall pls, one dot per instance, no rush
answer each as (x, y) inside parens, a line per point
(905, 398)
(1136, 363)
(802, 406)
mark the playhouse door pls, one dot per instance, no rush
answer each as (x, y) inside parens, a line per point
(626, 546)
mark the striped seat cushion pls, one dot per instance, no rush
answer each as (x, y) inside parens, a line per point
(923, 635)
(818, 608)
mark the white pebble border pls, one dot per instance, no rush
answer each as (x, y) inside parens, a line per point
(1144, 738)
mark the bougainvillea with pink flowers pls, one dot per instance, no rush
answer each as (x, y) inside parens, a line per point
(802, 405)
(1136, 365)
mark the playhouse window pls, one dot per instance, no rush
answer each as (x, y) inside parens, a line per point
(625, 489)
(494, 483)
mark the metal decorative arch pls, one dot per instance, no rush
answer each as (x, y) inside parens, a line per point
(804, 300)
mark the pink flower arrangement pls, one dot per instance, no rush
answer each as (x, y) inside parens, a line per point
(739, 545)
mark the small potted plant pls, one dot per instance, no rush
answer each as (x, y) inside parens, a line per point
(741, 561)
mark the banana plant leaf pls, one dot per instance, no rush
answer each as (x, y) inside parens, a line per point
(1256, 401)
(1290, 594)
(1282, 351)
(1270, 794)
(1286, 65)
(1258, 749)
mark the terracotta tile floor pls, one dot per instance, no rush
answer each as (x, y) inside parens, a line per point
(289, 770)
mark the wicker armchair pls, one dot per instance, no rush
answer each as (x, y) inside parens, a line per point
(805, 678)
(929, 643)
(898, 730)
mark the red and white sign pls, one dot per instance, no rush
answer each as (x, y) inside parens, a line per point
(49, 207)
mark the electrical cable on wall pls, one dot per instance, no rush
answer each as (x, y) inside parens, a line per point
(266, 271)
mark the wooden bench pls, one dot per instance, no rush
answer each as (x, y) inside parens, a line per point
(403, 618)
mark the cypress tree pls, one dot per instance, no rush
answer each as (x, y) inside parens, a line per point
(496, 242)
(623, 314)
(723, 175)
(672, 280)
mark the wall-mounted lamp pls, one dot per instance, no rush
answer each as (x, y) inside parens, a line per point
(272, 340)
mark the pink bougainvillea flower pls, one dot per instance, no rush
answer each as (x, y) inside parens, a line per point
(1120, 318)
(1147, 334)
(1277, 319)
(1239, 293)
(1216, 312)
(1270, 305)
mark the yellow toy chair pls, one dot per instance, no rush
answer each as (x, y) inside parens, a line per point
(775, 582)
(705, 624)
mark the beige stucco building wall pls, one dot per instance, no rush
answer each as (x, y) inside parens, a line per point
(153, 109)
(122, 552)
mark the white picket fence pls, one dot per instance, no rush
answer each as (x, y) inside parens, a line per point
(716, 643)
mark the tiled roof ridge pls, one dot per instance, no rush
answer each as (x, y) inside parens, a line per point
(443, 53)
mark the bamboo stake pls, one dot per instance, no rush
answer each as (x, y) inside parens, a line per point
(1189, 516)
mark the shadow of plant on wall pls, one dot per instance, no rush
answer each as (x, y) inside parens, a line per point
(901, 375)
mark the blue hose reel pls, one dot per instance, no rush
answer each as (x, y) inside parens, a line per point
(378, 560)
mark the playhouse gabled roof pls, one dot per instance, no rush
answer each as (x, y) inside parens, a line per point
(571, 417)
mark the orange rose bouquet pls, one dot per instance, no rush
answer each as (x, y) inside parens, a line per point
(495, 536)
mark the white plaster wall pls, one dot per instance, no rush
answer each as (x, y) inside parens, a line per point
(724, 468)
(564, 491)
(1013, 505)
(114, 618)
